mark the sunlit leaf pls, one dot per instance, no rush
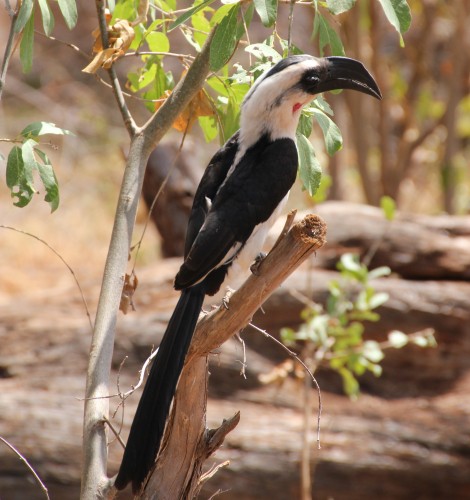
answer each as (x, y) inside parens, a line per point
(209, 127)
(378, 299)
(263, 51)
(36, 129)
(372, 351)
(350, 262)
(379, 272)
(158, 42)
(398, 339)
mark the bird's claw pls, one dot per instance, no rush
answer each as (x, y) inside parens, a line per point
(254, 268)
(226, 299)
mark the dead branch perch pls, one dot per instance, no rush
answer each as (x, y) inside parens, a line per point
(186, 443)
(302, 240)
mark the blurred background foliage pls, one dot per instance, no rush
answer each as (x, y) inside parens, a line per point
(413, 147)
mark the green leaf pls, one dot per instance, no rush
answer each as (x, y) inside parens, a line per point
(388, 206)
(322, 192)
(327, 36)
(331, 132)
(47, 17)
(220, 13)
(225, 40)
(321, 103)
(263, 51)
(267, 11)
(339, 6)
(19, 178)
(27, 45)
(158, 42)
(350, 384)
(24, 15)
(49, 180)
(288, 335)
(350, 262)
(188, 14)
(309, 168)
(398, 14)
(209, 127)
(247, 17)
(398, 339)
(305, 125)
(69, 11)
(36, 129)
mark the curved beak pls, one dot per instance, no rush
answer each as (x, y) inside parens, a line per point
(346, 73)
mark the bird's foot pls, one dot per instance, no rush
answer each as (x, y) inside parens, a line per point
(227, 296)
(254, 268)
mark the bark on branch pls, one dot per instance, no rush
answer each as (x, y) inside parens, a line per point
(187, 443)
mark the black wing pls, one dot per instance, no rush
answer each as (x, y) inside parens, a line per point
(213, 177)
(247, 198)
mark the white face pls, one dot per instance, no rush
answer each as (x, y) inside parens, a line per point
(274, 104)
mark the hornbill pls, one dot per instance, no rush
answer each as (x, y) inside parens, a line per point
(242, 192)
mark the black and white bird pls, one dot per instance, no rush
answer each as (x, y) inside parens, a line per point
(242, 192)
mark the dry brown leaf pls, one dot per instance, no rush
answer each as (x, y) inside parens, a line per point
(130, 285)
(200, 105)
(121, 34)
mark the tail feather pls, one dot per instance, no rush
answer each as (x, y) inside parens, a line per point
(154, 405)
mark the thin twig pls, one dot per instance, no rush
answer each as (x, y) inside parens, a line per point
(117, 90)
(296, 357)
(124, 395)
(289, 29)
(55, 252)
(166, 54)
(127, 94)
(63, 42)
(213, 471)
(11, 12)
(38, 479)
(115, 432)
(243, 363)
(9, 47)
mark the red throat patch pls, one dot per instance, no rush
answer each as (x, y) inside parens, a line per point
(296, 107)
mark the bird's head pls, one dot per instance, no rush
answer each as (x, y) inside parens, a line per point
(277, 97)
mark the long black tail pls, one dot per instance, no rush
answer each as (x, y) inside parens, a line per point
(154, 405)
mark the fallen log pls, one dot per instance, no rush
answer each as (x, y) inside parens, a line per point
(413, 246)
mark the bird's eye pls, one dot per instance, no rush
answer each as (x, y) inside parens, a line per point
(312, 79)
